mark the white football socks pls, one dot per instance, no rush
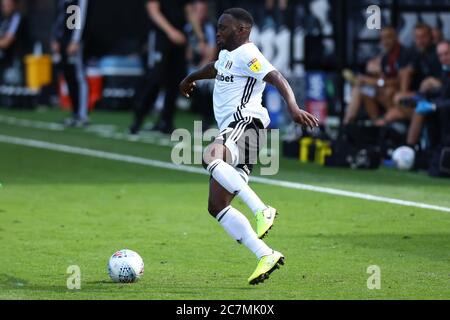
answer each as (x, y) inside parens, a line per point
(239, 228)
(230, 179)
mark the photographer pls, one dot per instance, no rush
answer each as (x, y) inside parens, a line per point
(433, 112)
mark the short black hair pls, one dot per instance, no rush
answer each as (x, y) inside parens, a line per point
(241, 15)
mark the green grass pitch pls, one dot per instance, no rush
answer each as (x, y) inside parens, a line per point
(59, 209)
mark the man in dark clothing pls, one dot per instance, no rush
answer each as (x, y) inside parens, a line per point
(67, 41)
(424, 61)
(12, 34)
(166, 60)
(423, 69)
(433, 112)
(199, 54)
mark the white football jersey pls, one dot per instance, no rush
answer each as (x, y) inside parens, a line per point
(239, 85)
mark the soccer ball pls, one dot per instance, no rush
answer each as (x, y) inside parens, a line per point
(403, 158)
(125, 266)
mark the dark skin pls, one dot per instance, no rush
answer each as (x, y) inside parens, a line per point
(231, 34)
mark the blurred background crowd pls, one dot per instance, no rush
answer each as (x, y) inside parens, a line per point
(382, 95)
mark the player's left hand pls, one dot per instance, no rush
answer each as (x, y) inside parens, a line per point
(304, 118)
(187, 86)
(73, 48)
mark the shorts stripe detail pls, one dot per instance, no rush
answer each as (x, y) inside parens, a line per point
(236, 129)
(240, 128)
(238, 136)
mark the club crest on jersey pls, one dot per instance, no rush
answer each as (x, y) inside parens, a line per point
(254, 65)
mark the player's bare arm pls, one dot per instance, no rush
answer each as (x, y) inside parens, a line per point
(300, 116)
(188, 84)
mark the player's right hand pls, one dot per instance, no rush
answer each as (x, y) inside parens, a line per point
(187, 86)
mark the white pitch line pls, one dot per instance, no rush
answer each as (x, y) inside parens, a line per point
(167, 165)
(358, 195)
(106, 131)
(98, 154)
(32, 123)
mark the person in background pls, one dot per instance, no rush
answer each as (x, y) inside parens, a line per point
(275, 13)
(433, 112)
(198, 54)
(67, 43)
(11, 34)
(376, 89)
(419, 75)
(436, 31)
(438, 36)
(373, 69)
(166, 60)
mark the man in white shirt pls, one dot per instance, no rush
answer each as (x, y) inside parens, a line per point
(241, 72)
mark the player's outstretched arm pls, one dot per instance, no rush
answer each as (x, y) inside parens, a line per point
(300, 116)
(188, 84)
